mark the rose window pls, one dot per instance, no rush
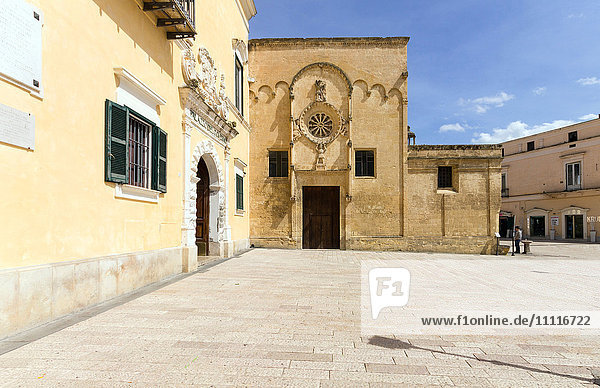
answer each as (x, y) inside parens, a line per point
(320, 125)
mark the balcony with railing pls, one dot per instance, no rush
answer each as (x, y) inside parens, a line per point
(504, 193)
(176, 16)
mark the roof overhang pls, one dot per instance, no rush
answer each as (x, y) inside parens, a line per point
(249, 8)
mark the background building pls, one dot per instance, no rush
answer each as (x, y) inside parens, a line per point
(331, 164)
(119, 119)
(551, 183)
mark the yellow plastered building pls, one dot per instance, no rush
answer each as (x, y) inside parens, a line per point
(107, 110)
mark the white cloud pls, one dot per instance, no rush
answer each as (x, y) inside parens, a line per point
(452, 127)
(591, 116)
(540, 91)
(483, 104)
(517, 129)
(588, 81)
(575, 16)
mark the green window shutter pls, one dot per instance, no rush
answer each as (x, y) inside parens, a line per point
(239, 191)
(162, 162)
(116, 159)
(159, 160)
(154, 152)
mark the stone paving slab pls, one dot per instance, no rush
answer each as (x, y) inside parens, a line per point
(284, 318)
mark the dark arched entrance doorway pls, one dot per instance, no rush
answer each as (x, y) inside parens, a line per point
(202, 209)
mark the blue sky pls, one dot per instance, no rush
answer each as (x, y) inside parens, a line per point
(479, 71)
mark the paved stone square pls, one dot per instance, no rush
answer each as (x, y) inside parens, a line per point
(289, 318)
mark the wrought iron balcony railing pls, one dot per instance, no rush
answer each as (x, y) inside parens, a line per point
(177, 16)
(189, 7)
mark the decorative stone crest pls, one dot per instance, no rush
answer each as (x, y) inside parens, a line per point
(203, 79)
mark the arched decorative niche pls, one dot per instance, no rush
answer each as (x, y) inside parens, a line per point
(321, 65)
(320, 99)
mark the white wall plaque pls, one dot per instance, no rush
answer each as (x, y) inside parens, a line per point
(21, 45)
(16, 127)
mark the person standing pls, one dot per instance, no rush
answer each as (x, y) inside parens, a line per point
(518, 236)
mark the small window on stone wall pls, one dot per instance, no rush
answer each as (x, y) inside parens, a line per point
(278, 164)
(530, 145)
(365, 163)
(572, 136)
(444, 177)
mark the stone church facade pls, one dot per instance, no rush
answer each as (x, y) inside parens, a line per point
(331, 164)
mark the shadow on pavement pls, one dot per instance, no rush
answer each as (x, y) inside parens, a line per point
(393, 343)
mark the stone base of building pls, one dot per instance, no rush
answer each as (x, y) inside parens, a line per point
(35, 295)
(223, 249)
(274, 242)
(189, 257)
(483, 245)
(217, 249)
(240, 246)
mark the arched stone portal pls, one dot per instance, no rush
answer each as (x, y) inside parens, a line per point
(206, 151)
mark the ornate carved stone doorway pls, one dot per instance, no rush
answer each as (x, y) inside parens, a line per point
(205, 154)
(202, 209)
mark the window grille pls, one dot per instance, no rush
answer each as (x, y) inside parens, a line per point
(139, 152)
(444, 177)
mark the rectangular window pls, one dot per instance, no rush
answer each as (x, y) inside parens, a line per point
(239, 86)
(135, 149)
(530, 145)
(139, 152)
(239, 192)
(365, 163)
(444, 177)
(573, 176)
(278, 163)
(572, 136)
(504, 185)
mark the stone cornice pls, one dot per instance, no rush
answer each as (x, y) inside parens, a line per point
(247, 10)
(428, 147)
(316, 42)
(125, 76)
